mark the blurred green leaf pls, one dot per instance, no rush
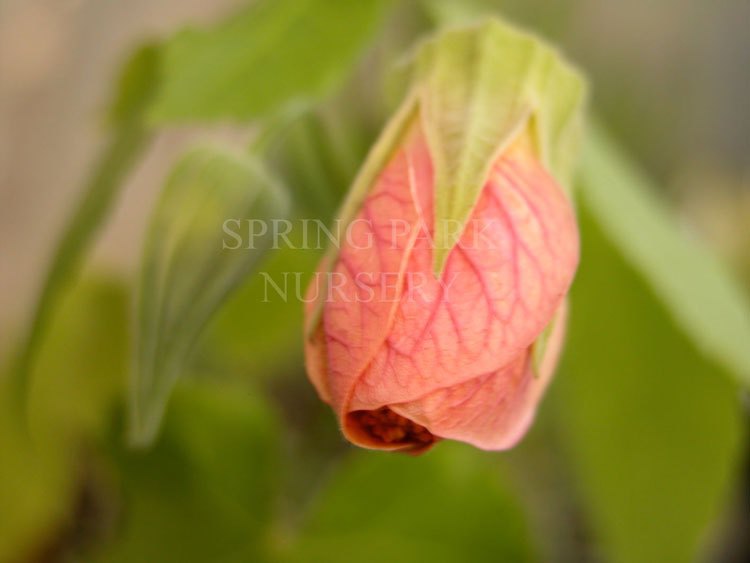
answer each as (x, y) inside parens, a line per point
(272, 55)
(453, 12)
(205, 491)
(450, 505)
(192, 260)
(34, 485)
(81, 370)
(706, 302)
(550, 20)
(129, 138)
(319, 155)
(77, 379)
(136, 86)
(265, 348)
(654, 434)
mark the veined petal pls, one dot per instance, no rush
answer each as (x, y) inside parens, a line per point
(491, 411)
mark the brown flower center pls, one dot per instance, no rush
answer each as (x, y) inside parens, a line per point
(391, 428)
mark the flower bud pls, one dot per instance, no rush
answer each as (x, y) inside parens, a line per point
(440, 312)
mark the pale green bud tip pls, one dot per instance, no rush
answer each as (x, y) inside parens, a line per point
(477, 88)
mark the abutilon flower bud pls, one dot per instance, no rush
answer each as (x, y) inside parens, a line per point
(440, 313)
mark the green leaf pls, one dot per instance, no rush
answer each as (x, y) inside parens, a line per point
(450, 505)
(320, 154)
(275, 54)
(654, 434)
(128, 140)
(79, 376)
(35, 485)
(704, 300)
(198, 249)
(81, 370)
(444, 13)
(266, 349)
(205, 491)
(136, 86)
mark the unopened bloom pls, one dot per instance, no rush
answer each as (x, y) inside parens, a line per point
(408, 353)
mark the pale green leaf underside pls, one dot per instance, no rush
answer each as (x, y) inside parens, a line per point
(478, 88)
(706, 302)
(188, 271)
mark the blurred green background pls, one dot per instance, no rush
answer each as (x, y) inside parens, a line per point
(639, 451)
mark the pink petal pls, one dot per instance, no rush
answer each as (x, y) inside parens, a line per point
(493, 411)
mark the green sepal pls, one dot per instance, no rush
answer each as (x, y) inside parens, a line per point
(539, 347)
(478, 88)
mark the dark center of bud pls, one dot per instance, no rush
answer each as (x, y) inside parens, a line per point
(391, 428)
